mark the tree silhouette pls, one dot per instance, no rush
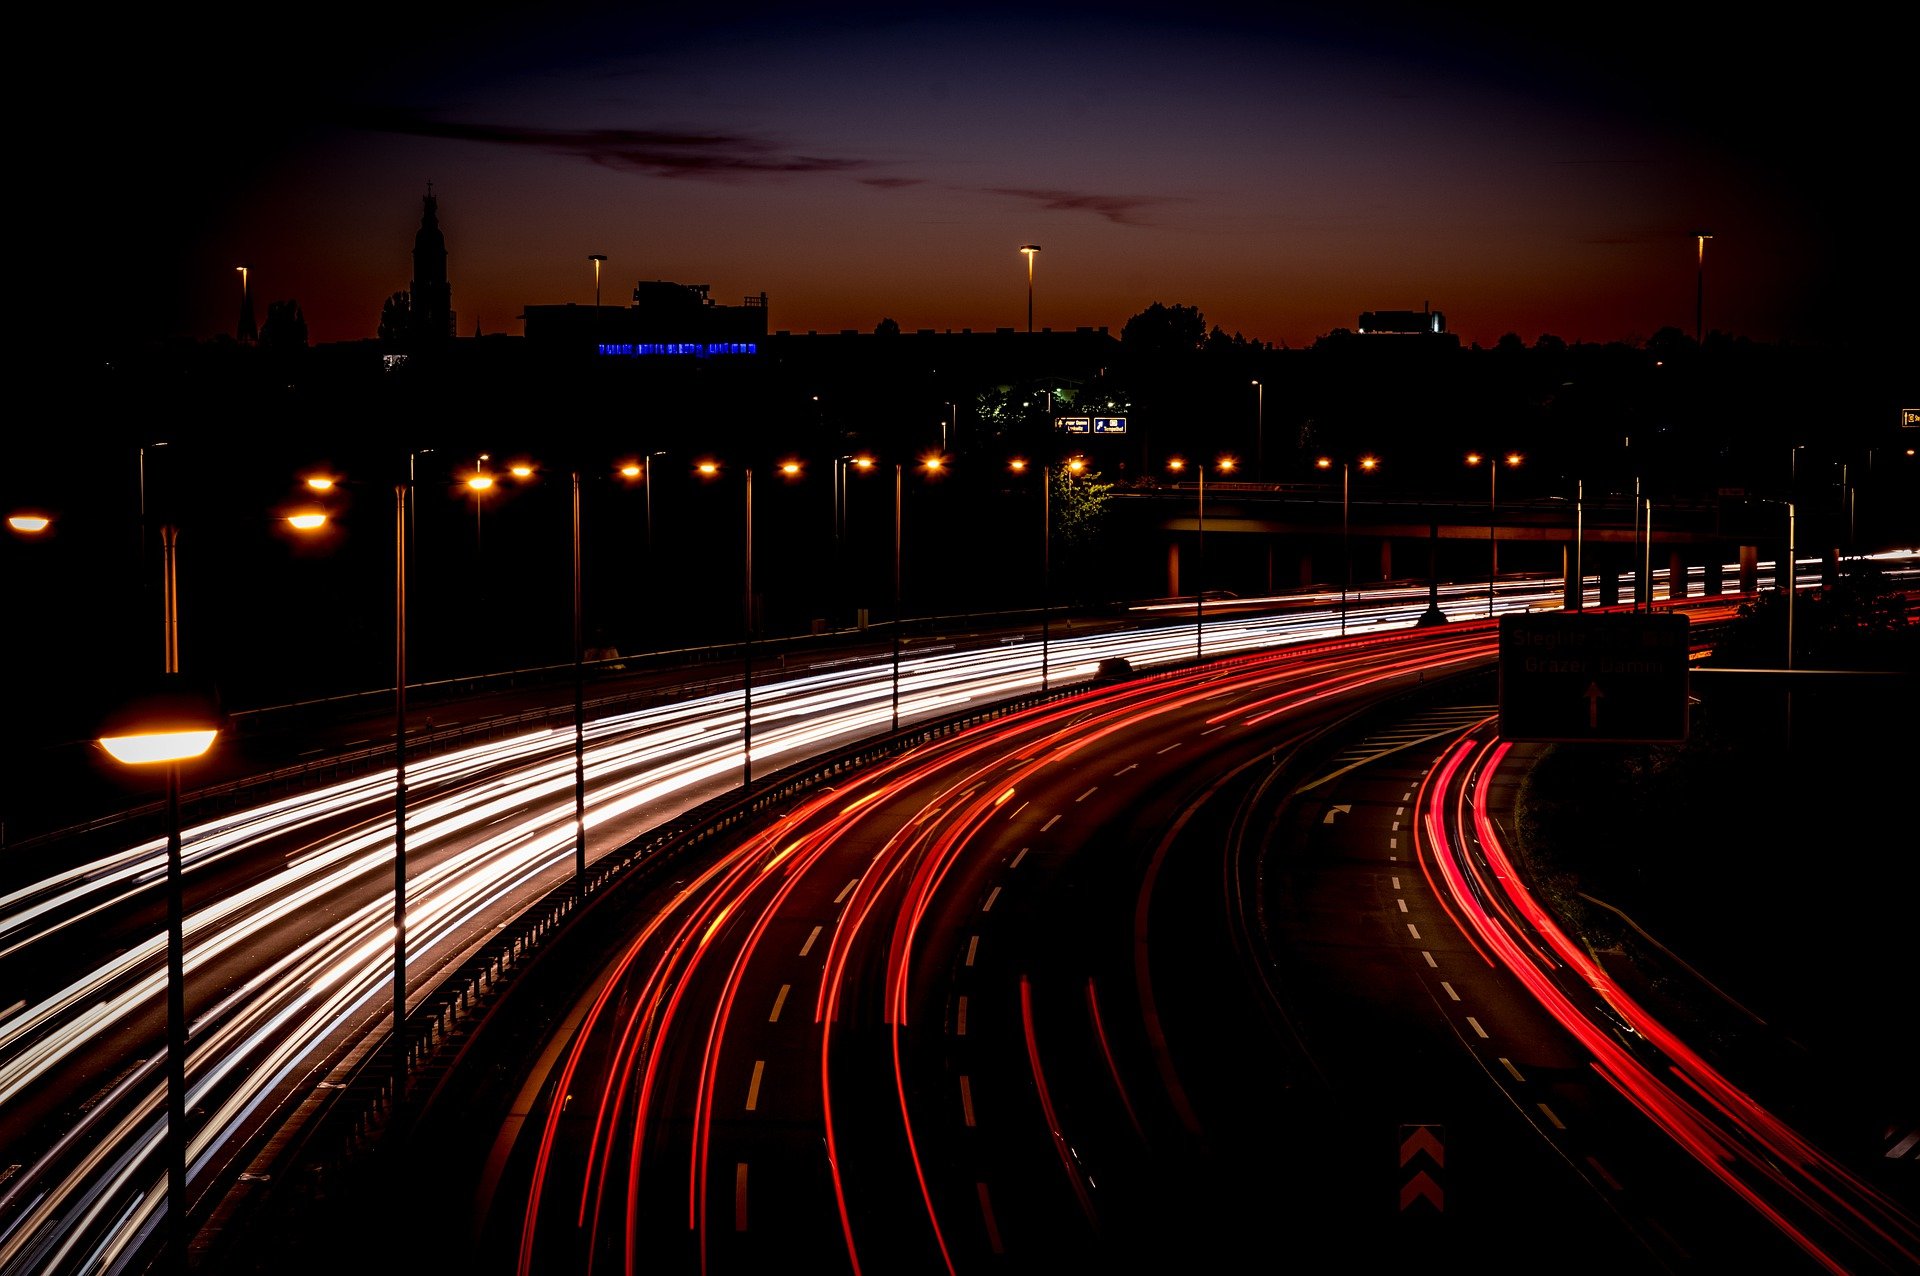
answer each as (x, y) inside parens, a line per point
(396, 319)
(285, 328)
(886, 328)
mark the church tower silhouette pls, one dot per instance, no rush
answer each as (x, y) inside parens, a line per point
(432, 299)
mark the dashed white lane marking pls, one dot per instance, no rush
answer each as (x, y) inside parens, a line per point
(1089, 793)
(779, 1001)
(810, 938)
(960, 1018)
(1430, 960)
(1049, 824)
(1016, 810)
(973, 946)
(1396, 827)
(1016, 859)
(1131, 766)
(1475, 1025)
(1511, 1070)
(1169, 749)
(1211, 730)
(846, 890)
(1900, 1149)
(991, 896)
(966, 1100)
(1547, 1112)
(740, 1196)
(1400, 810)
(1395, 881)
(986, 1214)
(753, 1087)
(1450, 992)
(1393, 843)
(1413, 930)
(1402, 903)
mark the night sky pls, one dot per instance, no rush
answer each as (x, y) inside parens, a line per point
(1521, 169)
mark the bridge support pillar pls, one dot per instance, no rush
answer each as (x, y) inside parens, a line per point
(1306, 567)
(1609, 586)
(1676, 574)
(1386, 558)
(1173, 569)
(1715, 582)
(1783, 570)
(1830, 567)
(1749, 568)
(1569, 587)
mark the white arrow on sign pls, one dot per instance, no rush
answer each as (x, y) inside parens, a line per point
(1594, 696)
(1338, 810)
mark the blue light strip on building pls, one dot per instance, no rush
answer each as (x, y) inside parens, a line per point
(697, 349)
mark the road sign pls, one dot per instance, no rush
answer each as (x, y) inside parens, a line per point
(1910, 418)
(1423, 1162)
(1109, 425)
(1618, 677)
(1072, 424)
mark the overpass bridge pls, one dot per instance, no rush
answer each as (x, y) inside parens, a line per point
(1265, 537)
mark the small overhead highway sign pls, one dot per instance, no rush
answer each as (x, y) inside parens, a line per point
(1617, 677)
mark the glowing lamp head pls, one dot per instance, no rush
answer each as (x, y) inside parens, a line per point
(480, 482)
(1226, 464)
(1076, 465)
(320, 483)
(630, 470)
(1474, 458)
(174, 722)
(1369, 462)
(933, 464)
(1176, 464)
(28, 524)
(1325, 462)
(790, 468)
(520, 471)
(863, 462)
(1017, 465)
(1514, 458)
(307, 520)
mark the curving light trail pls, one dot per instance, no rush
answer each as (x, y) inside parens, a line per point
(292, 965)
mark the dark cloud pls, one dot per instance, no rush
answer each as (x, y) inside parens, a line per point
(891, 183)
(1124, 209)
(661, 152)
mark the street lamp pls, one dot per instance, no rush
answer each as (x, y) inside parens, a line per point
(1368, 464)
(596, 259)
(1225, 465)
(1259, 430)
(168, 728)
(1511, 460)
(1700, 285)
(1029, 250)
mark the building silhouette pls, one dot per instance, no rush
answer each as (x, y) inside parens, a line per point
(431, 294)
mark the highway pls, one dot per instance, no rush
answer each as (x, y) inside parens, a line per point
(289, 930)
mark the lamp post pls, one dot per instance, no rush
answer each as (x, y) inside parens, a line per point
(168, 730)
(1259, 430)
(1512, 461)
(1579, 544)
(1700, 286)
(1346, 552)
(1176, 464)
(1029, 250)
